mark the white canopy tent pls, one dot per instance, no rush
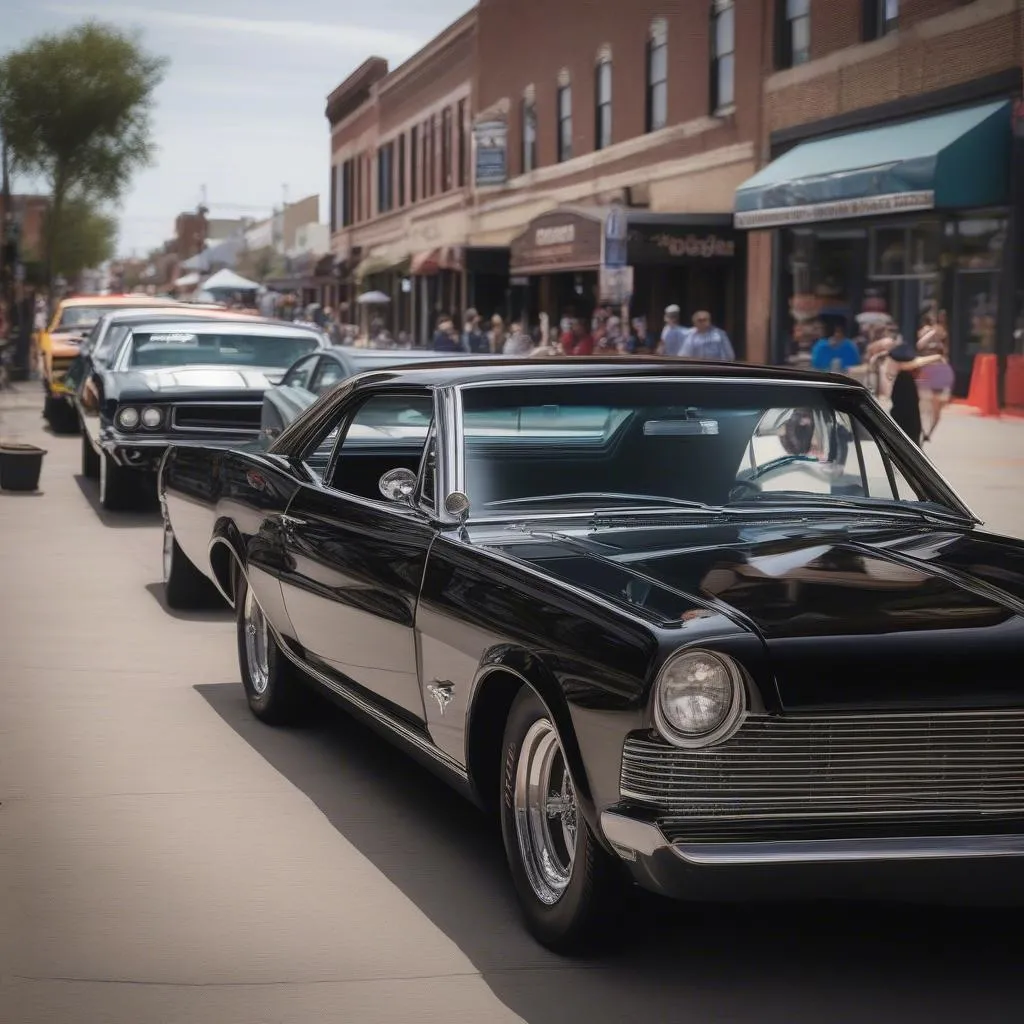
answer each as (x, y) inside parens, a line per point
(228, 281)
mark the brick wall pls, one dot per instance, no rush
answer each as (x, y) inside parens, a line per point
(527, 42)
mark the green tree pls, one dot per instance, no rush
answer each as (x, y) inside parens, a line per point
(86, 239)
(75, 111)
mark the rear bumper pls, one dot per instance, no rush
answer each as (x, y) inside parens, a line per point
(975, 869)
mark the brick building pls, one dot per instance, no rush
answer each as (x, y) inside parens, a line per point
(893, 177)
(399, 175)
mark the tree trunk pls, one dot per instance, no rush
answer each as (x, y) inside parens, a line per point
(53, 226)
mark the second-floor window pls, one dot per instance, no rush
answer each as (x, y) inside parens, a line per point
(462, 153)
(723, 55)
(880, 18)
(657, 78)
(564, 122)
(603, 112)
(446, 149)
(432, 156)
(529, 135)
(414, 164)
(386, 178)
(347, 194)
(400, 169)
(793, 33)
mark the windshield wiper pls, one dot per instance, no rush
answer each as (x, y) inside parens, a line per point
(876, 505)
(647, 499)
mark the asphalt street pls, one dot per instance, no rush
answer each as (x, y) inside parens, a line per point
(165, 858)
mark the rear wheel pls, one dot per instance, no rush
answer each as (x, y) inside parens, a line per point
(118, 492)
(185, 586)
(566, 883)
(90, 460)
(273, 686)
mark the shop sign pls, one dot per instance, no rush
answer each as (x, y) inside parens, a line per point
(654, 243)
(615, 285)
(490, 143)
(556, 242)
(616, 235)
(844, 209)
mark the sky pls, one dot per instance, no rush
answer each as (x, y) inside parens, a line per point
(241, 109)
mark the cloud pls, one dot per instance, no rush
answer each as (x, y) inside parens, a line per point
(346, 38)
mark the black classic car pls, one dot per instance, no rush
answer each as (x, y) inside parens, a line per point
(315, 375)
(182, 382)
(718, 629)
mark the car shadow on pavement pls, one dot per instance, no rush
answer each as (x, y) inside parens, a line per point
(760, 964)
(219, 612)
(147, 513)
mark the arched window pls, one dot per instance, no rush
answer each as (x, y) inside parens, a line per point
(723, 55)
(564, 117)
(657, 75)
(603, 99)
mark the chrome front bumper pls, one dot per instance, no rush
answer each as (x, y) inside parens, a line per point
(971, 869)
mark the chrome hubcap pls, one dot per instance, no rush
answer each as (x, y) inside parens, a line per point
(257, 643)
(546, 814)
(168, 551)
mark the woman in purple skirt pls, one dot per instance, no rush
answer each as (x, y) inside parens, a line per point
(936, 379)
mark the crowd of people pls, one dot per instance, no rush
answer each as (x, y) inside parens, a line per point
(603, 335)
(910, 375)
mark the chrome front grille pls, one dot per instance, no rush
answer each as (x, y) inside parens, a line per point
(843, 766)
(215, 418)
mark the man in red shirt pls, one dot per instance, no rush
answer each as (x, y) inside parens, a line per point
(579, 342)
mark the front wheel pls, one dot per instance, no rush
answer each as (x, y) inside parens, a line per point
(273, 687)
(185, 587)
(90, 460)
(117, 486)
(567, 885)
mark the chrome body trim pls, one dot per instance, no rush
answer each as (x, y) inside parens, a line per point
(632, 838)
(350, 696)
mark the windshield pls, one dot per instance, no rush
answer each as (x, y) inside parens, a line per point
(79, 318)
(600, 445)
(209, 348)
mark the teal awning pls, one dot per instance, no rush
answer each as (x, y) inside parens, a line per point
(960, 159)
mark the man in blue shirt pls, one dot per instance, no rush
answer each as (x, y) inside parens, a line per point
(836, 353)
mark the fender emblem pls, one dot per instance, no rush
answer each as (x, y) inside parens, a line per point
(442, 692)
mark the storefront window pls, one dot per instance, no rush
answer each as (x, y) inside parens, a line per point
(981, 242)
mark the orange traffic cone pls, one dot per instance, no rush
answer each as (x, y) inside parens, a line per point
(984, 390)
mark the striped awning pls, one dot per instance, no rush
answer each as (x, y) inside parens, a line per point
(433, 262)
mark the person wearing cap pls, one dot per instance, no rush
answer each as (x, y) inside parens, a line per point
(673, 335)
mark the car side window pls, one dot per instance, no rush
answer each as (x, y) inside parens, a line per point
(299, 375)
(328, 373)
(386, 432)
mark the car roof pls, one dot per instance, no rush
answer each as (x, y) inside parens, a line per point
(501, 370)
(117, 300)
(133, 316)
(240, 325)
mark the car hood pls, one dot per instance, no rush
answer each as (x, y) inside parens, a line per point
(66, 343)
(852, 613)
(180, 380)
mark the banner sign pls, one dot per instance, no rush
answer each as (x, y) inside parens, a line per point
(843, 209)
(616, 237)
(490, 141)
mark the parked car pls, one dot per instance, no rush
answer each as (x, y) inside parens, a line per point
(104, 341)
(719, 629)
(182, 382)
(73, 319)
(315, 375)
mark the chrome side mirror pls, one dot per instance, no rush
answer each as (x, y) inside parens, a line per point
(457, 505)
(398, 484)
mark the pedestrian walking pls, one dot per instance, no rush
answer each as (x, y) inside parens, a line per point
(904, 362)
(518, 343)
(706, 341)
(935, 381)
(446, 338)
(473, 338)
(673, 334)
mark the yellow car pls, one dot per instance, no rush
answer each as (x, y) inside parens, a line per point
(72, 321)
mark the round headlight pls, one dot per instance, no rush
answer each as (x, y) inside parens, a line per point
(128, 418)
(151, 417)
(699, 698)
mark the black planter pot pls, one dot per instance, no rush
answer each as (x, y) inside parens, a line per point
(20, 466)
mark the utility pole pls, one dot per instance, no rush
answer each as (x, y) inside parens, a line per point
(7, 254)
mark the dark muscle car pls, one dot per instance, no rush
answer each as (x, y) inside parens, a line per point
(315, 375)
(718, 629)
(179, 383)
